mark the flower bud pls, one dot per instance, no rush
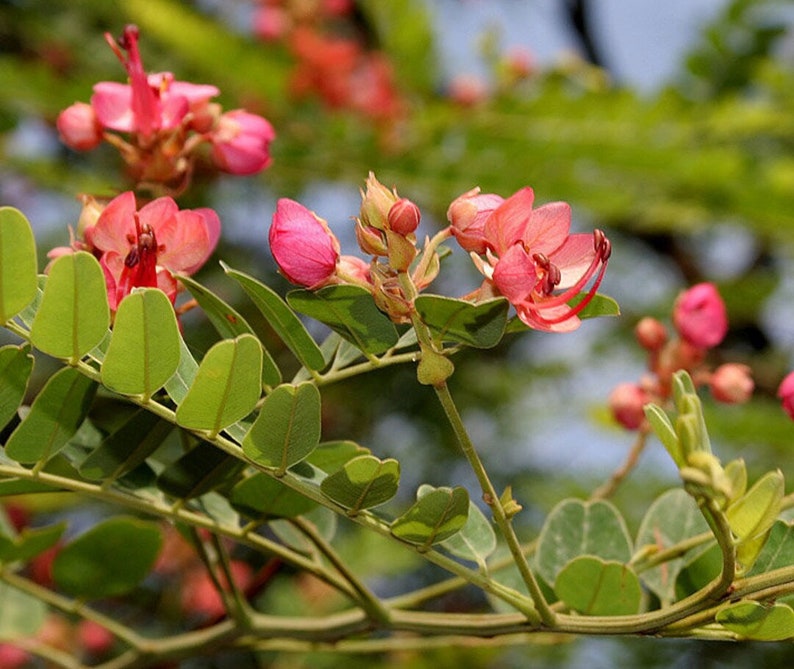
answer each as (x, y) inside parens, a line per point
(404, 217)
(786, 394)
(468, 214)
(240, 142)
(376, 202)
(626, 402)
(732, 383)
(352, 269)
(370, 240)
(89, 215)
(650, 333)
(79, 127)
(304, 248)
(700, 317)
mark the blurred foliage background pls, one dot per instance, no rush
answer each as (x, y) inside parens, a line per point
(693, 181)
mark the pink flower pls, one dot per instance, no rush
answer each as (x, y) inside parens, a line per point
(145, 248)
(147, 104)
(786, 394)
(79, 127)
(303, 246)
(241, 141)
(700, 317)
(468, 214)
(404, 217)
(732, 383)
(530, 255)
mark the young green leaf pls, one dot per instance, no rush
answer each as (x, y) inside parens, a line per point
(476, 541)
(756, 621)
(754, 513)
(282, 319)
(434, 517)
(575, 528)
(596, 587)
(226, 388)
(54, 417)
(144, 349)
(89, 566)
(351, 312)
(16, 364)
(230, 324)
(17, 263)
(362, 483)
(479, 325)
(287, 428)
(73, 316)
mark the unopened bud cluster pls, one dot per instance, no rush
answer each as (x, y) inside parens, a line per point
(700, 322)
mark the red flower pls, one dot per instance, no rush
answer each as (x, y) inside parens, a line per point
(786, 394)
(145, 248)
(303, 246)
(79, 127)
(241, 141)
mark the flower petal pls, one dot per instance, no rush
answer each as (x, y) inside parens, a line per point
(506, 225)
(548, 228)
(114, 225)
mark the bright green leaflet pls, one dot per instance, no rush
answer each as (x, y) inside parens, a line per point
(434, 517)
(282, 319)
(287, 428)
(478, 325)
(351, 312)
(575, 528)
(761, 622)
(177, 386)
(16, 364)
(226, 388)
(331, 455)
(88, 566)
(363, 482)
(144, 350)
(778, 550)
(229, 324)
(54, 417)
(17, 263)
(73, 316)
(21, 614)
(597, 587)
(476, 541)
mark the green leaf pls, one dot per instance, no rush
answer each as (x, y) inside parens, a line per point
(699, 570)
(575, 528)
(756, 621)
(73, 316)
(597, 587)
(54, 417)
(434, 517)
(479, 325)
(331, 455)
(754, 512)
(362, 483)
(203, 468)
(261, 495)
(144, 350)
(16, 364)
(89, 566)
(230, 324)
(599, 305)
(226, 388)
(351, 312)
(778, 551)
(17, 263)
(178, 385)
(282, 319)
(476, 541)
(672, 518)
(126, 448)
(663, 429)
(21, 614)
(287, 428)
(29, 543)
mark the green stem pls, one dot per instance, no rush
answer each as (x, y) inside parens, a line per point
(492, 499)
(375, 609)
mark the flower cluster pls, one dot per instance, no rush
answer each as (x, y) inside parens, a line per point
(701, 323)
(336, 68)
(146, 247)
(164, 123)
(526, 255)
